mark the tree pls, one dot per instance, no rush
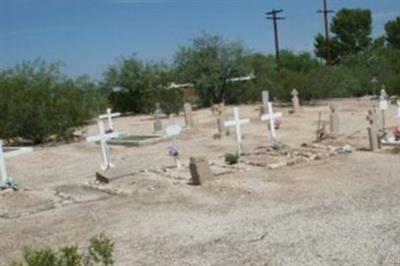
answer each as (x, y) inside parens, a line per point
(208, 62)
(351, 30)
(393, 33)
(139, 84)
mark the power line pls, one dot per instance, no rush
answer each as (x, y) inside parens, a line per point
(328, 47)
(272, 15)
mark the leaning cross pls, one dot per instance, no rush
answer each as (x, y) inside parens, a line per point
(237, 122)
(271, 117)
(109, 117)
(102, 138)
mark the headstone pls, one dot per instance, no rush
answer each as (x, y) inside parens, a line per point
(102, 138)
(200, 170)
(109, 116)
(271, 117)
(334, 121)
(373, 130)
(383, 106)
(236, 123)
(173, 132)
(265, 101)
(157, 119)
(220, 126)
(295, 101)
(189, 122)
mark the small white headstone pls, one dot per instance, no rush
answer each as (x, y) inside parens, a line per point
(271, 117)
(237, 122)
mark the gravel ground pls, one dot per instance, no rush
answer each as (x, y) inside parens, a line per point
(342, 210)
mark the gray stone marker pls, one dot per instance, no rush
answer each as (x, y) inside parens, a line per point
(373, 130)
(334, 121)
(189, 122)
(295, 101)
(157, 119)
(200, 170)
(265, 101)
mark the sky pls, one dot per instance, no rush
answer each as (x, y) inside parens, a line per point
(90, 35)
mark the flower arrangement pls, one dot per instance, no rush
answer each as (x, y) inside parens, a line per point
(277, 123)
(173, 150)
(396, 133)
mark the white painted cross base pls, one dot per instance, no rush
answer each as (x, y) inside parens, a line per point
(102, 138)
(237, 122)
(271, 117)
(109, 117)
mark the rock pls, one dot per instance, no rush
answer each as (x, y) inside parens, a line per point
(346, 149)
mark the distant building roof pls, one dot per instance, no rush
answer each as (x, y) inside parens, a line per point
(173, 86)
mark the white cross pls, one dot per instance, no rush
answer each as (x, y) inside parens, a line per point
(173, 132)
(109, 117)
(6, 180)
(271, 117)
(237, 122)
(103, 137)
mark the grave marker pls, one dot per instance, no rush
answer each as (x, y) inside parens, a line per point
(271, 117)
(373, 130)
(295, 101)
(383, 106)
(334, 121)
(6, 180)
(102, 138)
(109, 116)
(265, 101)
(200, 170)
(157, 119)
(236, 123)
(188, 115)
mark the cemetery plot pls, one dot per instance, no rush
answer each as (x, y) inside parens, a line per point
(272, 157)
(137, 140)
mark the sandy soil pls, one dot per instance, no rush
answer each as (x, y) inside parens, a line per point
(341, 210)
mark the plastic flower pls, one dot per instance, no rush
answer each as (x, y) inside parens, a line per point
(277, 123)
(173, 150)
(396, 131)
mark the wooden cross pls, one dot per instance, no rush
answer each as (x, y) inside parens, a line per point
(271, 117)
(373, 130)
(102, 138)
(237, 122)
(109, 117)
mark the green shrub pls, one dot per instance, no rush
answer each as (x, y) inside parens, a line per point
(39, 103)
(231, 158)
(100, 252)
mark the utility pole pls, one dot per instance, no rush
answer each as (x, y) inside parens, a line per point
(272, 15)
(328, 47)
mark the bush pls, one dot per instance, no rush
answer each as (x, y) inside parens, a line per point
(38, 102)
(231, 158)
(100, 252)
